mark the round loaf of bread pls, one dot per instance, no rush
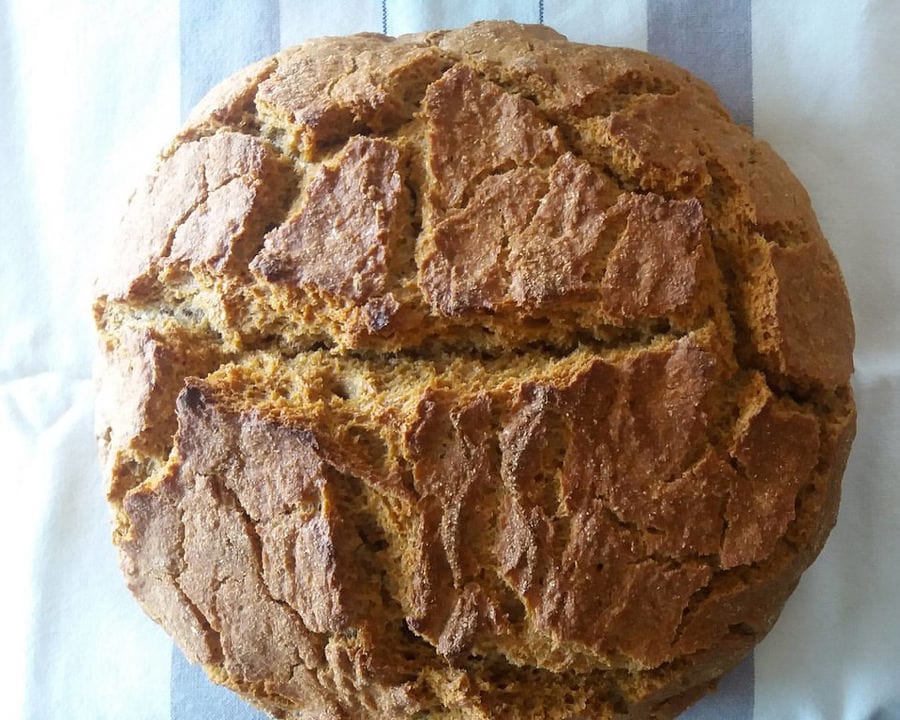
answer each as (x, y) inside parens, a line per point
(470, 374)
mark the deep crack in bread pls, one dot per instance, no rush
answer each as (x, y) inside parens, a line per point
(470, 374)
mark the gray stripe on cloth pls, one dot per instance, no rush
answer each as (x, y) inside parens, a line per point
(216, 40)
(194, 697)
(733, 700)
(219, 38)
(712, 39)
(887, 712)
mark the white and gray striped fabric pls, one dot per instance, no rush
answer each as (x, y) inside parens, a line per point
(92, 89)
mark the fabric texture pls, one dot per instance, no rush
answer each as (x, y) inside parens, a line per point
(91, 95)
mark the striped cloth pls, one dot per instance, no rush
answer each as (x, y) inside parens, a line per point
(90, 93)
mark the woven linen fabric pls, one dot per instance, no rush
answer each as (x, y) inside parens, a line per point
(93, 90)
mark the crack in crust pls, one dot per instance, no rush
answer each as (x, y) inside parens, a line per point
(526, 381)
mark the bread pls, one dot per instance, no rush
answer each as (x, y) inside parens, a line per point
(470, 374)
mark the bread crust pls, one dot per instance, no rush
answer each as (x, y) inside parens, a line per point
(470, 374)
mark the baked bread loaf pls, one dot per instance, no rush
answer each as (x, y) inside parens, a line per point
(470, 374)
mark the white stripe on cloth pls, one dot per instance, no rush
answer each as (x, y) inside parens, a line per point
(89, 95)
(618, 24)
(304, 20)
(827, 77)
(408, 17)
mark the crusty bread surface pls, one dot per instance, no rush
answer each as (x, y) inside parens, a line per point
(470, 374)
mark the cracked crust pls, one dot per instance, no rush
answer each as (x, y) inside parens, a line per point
(470, 374)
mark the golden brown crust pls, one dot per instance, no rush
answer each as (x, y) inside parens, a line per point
(499, 131)
(656, 268)
(206, 205)
(341, 238)
(331, 88)
(511, 379)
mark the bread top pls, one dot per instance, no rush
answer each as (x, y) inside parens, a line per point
(501, 362)
(460, 187)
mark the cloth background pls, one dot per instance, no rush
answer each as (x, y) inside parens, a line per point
(90, 90)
